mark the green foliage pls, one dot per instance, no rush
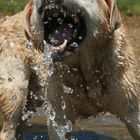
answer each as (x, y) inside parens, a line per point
(129, 6)
(12, 6)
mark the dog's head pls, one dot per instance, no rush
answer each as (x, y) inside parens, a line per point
(66, 24)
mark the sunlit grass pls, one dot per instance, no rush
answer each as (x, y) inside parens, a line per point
(129, 6)
(13, 6)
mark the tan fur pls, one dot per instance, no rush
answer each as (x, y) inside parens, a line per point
(99, 77)
(17, 64)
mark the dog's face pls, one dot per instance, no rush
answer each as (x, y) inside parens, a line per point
(68, 25)
(78, 32)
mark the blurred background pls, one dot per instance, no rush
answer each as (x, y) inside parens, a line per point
(13, 6)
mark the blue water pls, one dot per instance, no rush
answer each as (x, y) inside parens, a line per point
(76, 135)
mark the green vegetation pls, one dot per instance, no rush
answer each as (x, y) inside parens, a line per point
(129, 6)
(14, 6)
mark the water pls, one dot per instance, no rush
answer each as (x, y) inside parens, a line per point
(102, 128)
(75, 136)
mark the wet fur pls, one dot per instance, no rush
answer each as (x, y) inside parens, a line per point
(16, 75)
(100, 75)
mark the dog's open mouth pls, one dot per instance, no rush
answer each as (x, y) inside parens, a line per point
(62, 30)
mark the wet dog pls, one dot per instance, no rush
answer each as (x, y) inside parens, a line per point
(94, 68)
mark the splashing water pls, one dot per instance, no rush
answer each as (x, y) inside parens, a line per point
(67, 90)
(47, 108)
(63, 105)
(49, 111)
(48, 58)
(27, 115)
(61, 130)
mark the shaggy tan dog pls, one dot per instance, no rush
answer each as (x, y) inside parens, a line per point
(94, 66)
(17, 66)
(94, 69)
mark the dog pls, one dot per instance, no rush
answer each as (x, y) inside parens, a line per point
(18, 74)
(94, 68)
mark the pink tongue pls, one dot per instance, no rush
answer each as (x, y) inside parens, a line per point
(62, 33)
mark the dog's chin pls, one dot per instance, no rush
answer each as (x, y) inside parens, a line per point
(63, 31)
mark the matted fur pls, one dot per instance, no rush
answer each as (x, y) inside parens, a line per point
(99, 77)
(17, 64)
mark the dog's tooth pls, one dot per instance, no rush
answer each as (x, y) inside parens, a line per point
(46, 7)
(76, 19)
(64, 13)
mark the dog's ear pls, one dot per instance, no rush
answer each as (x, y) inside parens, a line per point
(26, 20)
(114, 14)
(33, 26)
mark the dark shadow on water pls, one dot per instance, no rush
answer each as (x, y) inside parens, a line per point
(75, 136)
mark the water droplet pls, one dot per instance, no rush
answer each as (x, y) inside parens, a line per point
(37, 69)
(9, 79)
(60, 20)
(80, 37)
(56, 31)
(96, 32)
(49, 111)
(11, 126)
(35, 97)
(12, 44)
(70, 25)
(63, 105)
(14, 97)
(27, 115)
(35, 137)
(74, 44)
(68, 126)
(67, 90)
